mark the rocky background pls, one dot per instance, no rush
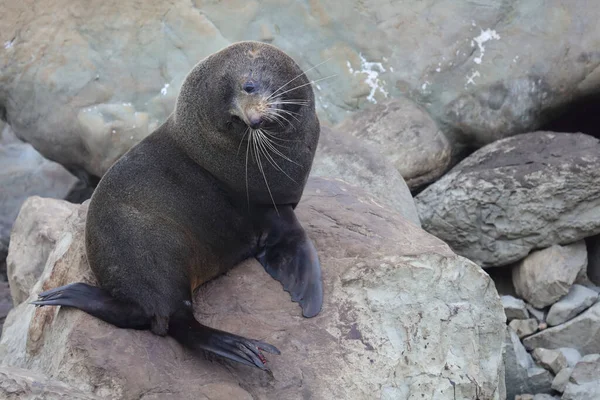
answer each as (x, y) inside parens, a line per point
(476, 121)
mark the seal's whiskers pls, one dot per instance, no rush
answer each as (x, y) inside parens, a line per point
(297, 76)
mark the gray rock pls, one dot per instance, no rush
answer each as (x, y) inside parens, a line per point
(5, 302)
(521, 374)
(406, 136)
(383, 277)
(524, 327)
(572, 355)
(514, 308)
(584, 383)
(577, 300)
(355, 162)
(552, 360)
(593, 246)
(23, 384)
(23, 173)
(28, 253)
(561, 379)
(577, 333)
(545, 276)
(542, 396)
(540, 315)
(515, 195)
(483, 79)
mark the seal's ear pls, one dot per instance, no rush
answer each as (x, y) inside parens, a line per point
(289, 256)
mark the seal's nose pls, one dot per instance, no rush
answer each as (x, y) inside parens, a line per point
(255, 123)
(254, 118)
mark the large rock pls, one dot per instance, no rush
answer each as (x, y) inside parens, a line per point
(584, 383)
(23, 173)
(515, 195)
(344, 157)
(37, 228)
(405, 135)
(522, 375)
(402, 316)
(545, 276)
(577, 300)
(105, 73)
(578, 333)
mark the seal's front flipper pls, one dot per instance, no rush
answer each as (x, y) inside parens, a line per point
(289, 256)
(192, 334)
(96, 302)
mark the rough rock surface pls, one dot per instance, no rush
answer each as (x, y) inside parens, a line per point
(593, 246)
(6, 302)
(514, 308)
(23, 173)
(561, 379)
(35, 233)
(545, 276)
(578, 333)
(515, 195)
(355, 162)
(524, 327)
(572, 355)
(584, 383)
(496, 70)
(24, 384)
(577, 300)
(552, 360)
(406, 136)
(521, 373)
(402, 314)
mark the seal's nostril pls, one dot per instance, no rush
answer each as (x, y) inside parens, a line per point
(249, 87)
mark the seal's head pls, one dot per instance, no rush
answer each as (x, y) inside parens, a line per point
(247, 115)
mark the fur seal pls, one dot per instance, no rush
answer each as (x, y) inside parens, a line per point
(215, 184)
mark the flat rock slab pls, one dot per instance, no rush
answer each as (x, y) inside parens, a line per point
(515, 195)
(403, 316)
(514, 308)
(578, 333)
(577, 300)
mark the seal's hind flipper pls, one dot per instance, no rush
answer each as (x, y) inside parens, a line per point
(192, 334)
(96, 302)
(290, 257)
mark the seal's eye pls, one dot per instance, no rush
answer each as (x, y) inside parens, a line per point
(249, 87)
(236, 119)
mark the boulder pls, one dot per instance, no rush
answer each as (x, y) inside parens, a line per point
(572, 355)
(561, 379)
(402, 314)
(578, 333)
(545, 276)
(521, 373)
(514, 308)
(36, 231)
(524, 327)
(552, 360)
(23, 173)
(405, 135)
(106, 73)
(584, 383)
(577, 300)
(515, 195)
(344, 157)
